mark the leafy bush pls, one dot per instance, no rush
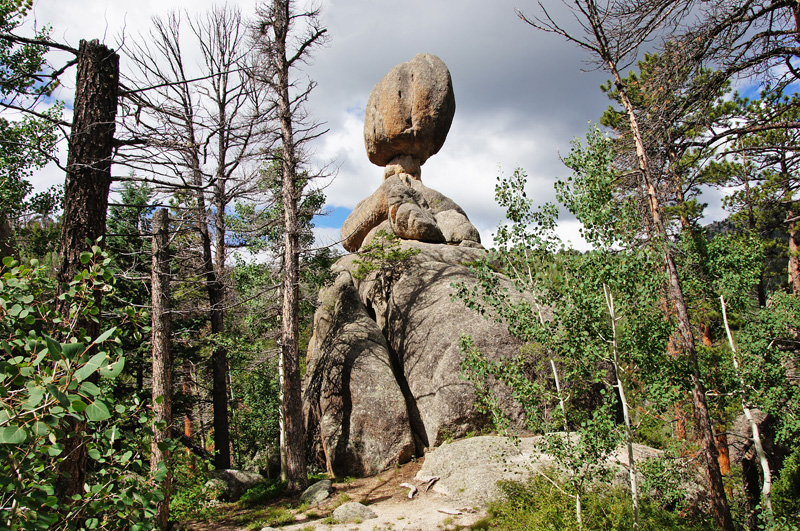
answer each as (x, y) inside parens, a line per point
(263, 493)
(542, 505)
(188, 500)
(56, 394)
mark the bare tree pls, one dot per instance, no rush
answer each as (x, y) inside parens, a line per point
(283, 39)
(614, 38)
(203, 132)
(162, 359)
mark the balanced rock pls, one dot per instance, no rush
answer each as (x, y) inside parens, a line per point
(383, 381)
(409, 112)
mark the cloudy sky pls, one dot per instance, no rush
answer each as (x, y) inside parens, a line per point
(521, 95)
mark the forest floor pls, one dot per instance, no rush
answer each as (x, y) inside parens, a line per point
(426, 511)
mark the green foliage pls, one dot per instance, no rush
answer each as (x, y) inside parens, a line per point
(50, 385)
(543, 505)
(768, 345)
(262, 493)
(22, 63)
(383, 254)
(255, 411)
(188, 498)
(383, 260)
(27, 143)
(786, 490)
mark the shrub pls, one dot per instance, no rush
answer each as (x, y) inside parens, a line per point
(54, 390)
(543, 505)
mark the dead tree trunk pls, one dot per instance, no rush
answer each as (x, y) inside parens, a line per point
(87, 184)
(162, 359)
(290, 336)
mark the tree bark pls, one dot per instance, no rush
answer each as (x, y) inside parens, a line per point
(8, 245)
(794, 253)
(188, 420)
(290, 350)
(91, 146)
(216, 295)
(625, 409)
(87, 184)
(162, 359)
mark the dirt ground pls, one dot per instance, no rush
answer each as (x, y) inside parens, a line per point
(426, 511)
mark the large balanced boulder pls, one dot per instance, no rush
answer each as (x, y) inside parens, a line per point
(409, 112)
(408, 116)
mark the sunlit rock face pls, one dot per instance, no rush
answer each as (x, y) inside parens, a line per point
(409, 111)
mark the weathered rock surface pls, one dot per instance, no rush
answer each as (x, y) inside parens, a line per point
(229, 485)
(415, 212)
(409, 112)
(469, 469)
(349, 352)
(383, 381)
(353, 512)
(317, 493)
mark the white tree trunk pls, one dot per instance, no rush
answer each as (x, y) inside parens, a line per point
(625, 410)
(766, 487)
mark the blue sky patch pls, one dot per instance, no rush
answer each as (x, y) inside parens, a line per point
(332, 218)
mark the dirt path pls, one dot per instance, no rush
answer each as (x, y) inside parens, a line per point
(426, 511)
(395, 511)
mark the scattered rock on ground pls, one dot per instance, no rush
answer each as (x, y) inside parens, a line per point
(469, 469)
(317, 493)
(353, 512)
(230, 484)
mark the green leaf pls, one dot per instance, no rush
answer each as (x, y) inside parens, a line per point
(60, 395)
(53, 346)
(105, 335)
(35, 396)
(40, 428)
(90, 389)
(98, 411)
(79, 406)
(112, 370)
(73, 350)
(90, 367)
(86, 257)
(13, 435)
(55, 450)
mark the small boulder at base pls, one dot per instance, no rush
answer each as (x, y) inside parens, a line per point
(229, 485)
(317, 493)
(353, 512)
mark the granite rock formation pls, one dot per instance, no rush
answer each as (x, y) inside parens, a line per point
(383, 379)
